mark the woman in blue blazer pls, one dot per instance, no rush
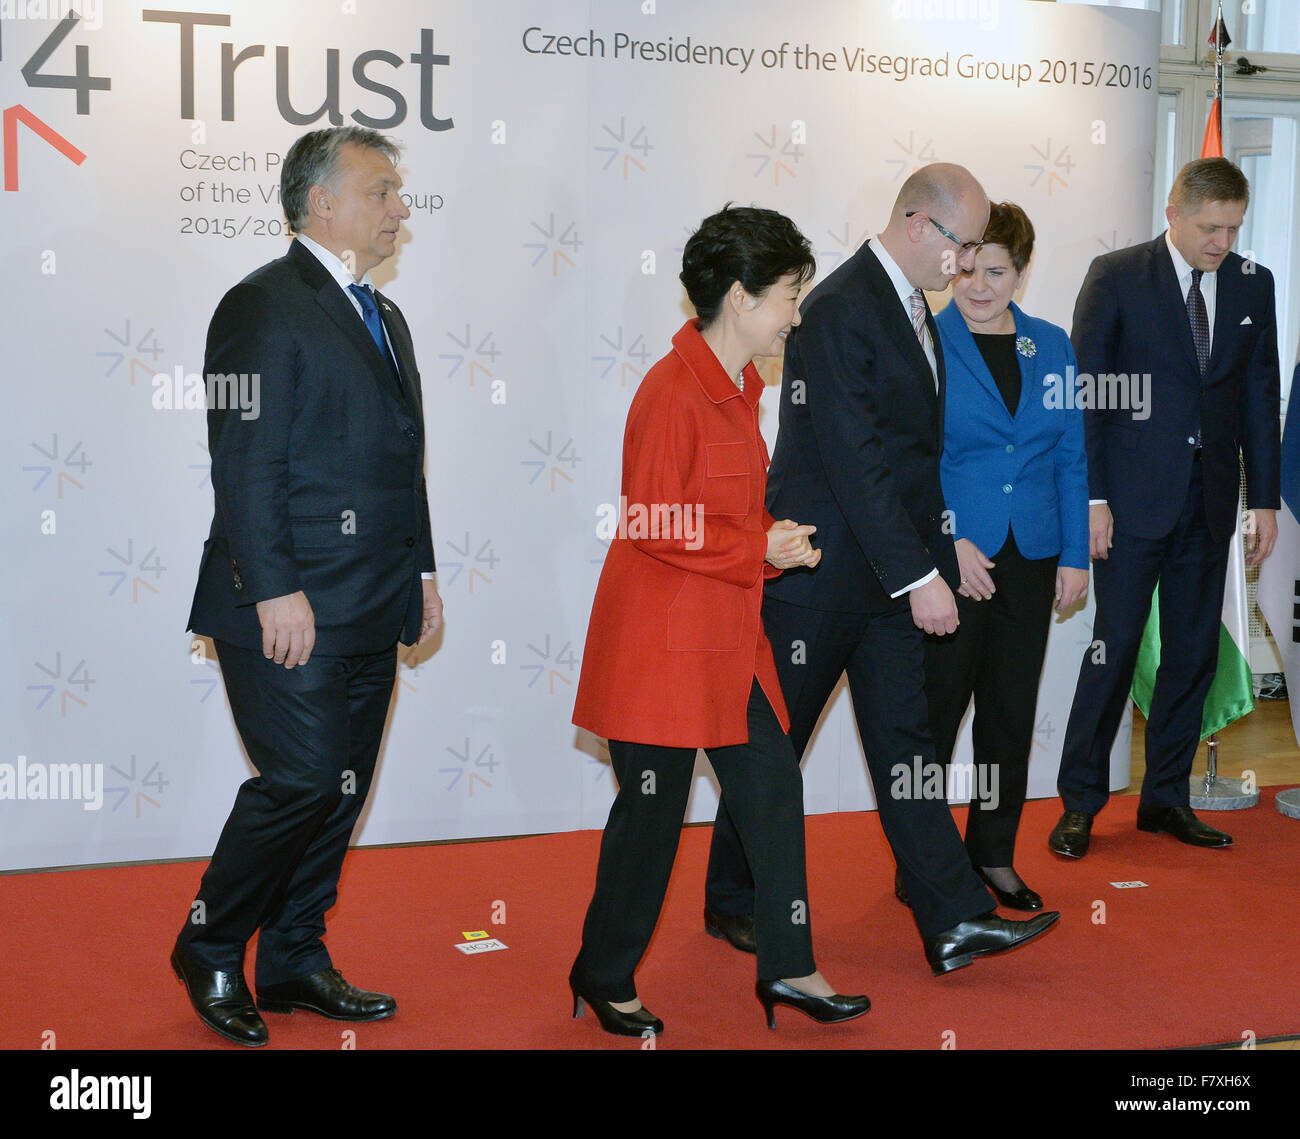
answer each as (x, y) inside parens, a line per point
(1016, 489)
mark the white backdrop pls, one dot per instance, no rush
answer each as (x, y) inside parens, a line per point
(551, 195)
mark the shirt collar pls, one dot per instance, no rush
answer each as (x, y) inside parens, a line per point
(897, 278)
(332, 262)
(1182, 270)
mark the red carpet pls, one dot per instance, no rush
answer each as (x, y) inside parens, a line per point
(1205, 954)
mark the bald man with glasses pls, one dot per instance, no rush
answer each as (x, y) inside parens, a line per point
(857, 455)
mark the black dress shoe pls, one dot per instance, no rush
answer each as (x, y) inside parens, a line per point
(611, 1020)
(1022, 899)
(327, 993)
(221, 999)
(1182, 823)
(959, 946)
(735, 928)
(1070, 836)
(825, 1010)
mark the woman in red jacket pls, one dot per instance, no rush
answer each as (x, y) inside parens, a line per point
(676, 658)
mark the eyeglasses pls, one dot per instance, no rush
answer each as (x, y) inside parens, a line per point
(964, 246)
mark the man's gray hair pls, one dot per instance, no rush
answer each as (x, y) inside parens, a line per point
(313, 161)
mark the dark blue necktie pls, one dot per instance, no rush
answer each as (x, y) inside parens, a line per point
(375, 326)
(1198, 318)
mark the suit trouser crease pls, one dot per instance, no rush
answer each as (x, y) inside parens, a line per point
(313, 733)
(761, 779)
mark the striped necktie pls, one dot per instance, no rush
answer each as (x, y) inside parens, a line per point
(917, 304)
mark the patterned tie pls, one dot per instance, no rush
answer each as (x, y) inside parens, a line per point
(1200, 323)
(917, 304)
(375, 326)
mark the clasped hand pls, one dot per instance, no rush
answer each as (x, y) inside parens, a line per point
(788, 545)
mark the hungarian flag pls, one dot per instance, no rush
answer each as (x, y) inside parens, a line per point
(1231, 695)
(1279, 577)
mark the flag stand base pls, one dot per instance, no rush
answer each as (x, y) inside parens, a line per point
(1288, 802)
(1211, 792)
(1214, 793)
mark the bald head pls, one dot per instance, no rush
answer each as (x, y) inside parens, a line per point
(935, 189)
(941, 196)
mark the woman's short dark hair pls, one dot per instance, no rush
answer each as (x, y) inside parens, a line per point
(754, 246)
(1009, 226)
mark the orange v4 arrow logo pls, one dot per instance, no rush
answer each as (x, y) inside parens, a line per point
(20, 114)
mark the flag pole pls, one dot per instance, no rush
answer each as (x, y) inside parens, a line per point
(1211, 792)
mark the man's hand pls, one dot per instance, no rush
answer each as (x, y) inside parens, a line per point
(1259, 534)
(432, 621)
(288, 629)
(1101, 530)
(975, 580)
(1071, 586)
(788, 545)
(934, 608)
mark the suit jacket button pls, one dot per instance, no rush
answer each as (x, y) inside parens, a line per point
(410, 543)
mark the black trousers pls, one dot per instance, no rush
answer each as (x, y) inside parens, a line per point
(1191, 567)
(313, 733)
(761, 780)
(996, 655)
(884, 657)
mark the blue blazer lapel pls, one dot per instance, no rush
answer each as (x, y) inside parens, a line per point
(1031, 367)
(968, 354)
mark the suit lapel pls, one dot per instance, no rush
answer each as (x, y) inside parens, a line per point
(340, 309)
(403, 350)
(1227, 316)
(941, 392)
(1170, 304)
(902, 333)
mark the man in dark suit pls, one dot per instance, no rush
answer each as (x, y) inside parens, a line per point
(1195, 323)
(319, 560)
(857, 455)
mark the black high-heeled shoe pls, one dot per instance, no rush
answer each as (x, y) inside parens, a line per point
(826, 1010)
(611, 1020)
(1022, 899)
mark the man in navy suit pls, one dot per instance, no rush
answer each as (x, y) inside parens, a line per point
(1197, 322)
(857, 455)
(319, 560)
